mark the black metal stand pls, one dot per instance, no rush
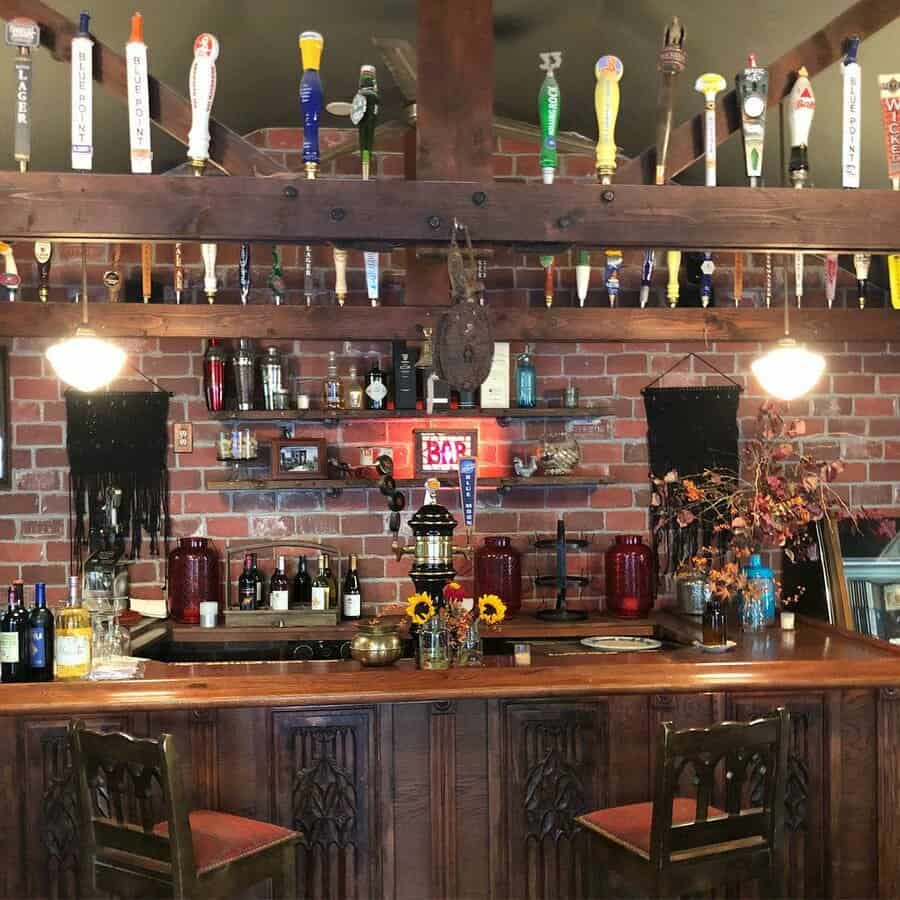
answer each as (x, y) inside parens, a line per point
(561, 579)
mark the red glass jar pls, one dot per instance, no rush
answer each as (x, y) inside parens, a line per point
(193, 578)
(498, 570)
(630, 586)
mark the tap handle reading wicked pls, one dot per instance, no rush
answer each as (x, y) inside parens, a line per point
(82, 96)
(608, 72)
(709, 85)
(364, 115)
(670, 63)
(138, 98)
(802, 108)
(851, 75)
(673, 262)
(244, 272)
(23, 34)
(549, 101)
(203, 92)
(889, 88)
(208, 251)
(43, 253)
(753, 93)
(340, 275)
(312, 97)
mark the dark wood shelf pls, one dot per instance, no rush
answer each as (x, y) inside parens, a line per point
(602, 409)
(336, 485)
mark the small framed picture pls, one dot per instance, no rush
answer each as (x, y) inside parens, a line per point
(439, 452)
(299, 458)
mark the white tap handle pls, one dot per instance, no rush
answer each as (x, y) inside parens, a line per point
(9, 259)
(340, 275)
(372, 278)
(138, 99)
(851, 74)
(82, 111)
(709, 85)
(203, 91)
(798, 278)
(831, 267)
(209, 270)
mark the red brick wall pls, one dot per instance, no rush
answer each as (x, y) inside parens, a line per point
(853, 413)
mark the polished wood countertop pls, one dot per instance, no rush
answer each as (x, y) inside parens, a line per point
(814, 656)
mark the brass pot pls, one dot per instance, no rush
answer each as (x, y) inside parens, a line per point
(377, 644)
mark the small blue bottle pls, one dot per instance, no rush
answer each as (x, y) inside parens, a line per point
(763, 579)
(526, 379)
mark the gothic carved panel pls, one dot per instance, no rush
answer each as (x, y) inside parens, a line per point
(325, 788)
(552, 765)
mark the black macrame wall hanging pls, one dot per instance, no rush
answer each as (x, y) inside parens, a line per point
(689, 430)
(117, 441)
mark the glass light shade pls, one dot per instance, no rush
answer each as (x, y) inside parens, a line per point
(789, 370)
(86, 362)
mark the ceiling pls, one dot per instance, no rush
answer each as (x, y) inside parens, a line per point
(258, 69)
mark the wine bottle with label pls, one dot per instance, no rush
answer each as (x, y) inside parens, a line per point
(247, 585)
(321, 589)
(352, 594)
(14, 641)
(279, 587)
(376, 387)
(302, 598)
(40, 636)
(73, 636)
(260, 583)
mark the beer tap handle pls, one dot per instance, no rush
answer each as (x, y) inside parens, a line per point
(203, 92)
(276, 277)
(208, 252)
(312, 97)
(889, 90)
(547, 263)
(82, 106)
(139, 132)
(364, 115)
(851, 76)
(894, 277)
(861, 263)
(11, 279)
(25, 35)
(709, 85)
(613, 264)
(340, 275)
(179, 272)
(146, 270)
(670, 63)
(112, 278)
(244, 272)
(753, 92)
(798, 278)
(647, 275)
(608, 72)
(308, 289)
(738, 277)
(707, 267)
(583, 275)
(673, 262)
(802, 106)
(831, 268)
(43, 254)
(549, 102)
(372, 276)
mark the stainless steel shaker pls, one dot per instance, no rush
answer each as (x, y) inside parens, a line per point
(270, 367)
(244, 362)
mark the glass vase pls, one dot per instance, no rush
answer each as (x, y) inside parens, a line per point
(753, 616)
(434, 645)
(470, 649)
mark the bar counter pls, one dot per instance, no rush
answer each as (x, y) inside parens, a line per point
(466, 782)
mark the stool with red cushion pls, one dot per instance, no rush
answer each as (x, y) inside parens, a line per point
(126, 786)
(676, 845)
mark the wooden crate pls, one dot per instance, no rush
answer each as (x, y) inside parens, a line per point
(275, 618)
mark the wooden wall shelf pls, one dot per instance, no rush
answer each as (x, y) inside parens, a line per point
(559, 324)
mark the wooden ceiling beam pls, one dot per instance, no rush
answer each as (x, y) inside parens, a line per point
(169, 109)
(817, 53)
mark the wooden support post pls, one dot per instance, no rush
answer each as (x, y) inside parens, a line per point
(169, 108)
(454, 112)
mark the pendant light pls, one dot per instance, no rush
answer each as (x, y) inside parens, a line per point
(85, 361)
(788, 370)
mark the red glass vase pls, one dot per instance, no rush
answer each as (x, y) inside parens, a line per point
(193, 578)
(630, 586)
(498, 570)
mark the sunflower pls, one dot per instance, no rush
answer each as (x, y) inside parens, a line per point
(419, 608)
(491, 609)
(453, 592)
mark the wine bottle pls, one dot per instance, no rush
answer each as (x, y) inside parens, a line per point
(333, 595)
(14, 641)
(40, 636)
(279, 587)
(260, 583)
(352, 594)
(376, 387)
(302, 598)
(247, 585)
(73, 636)
(321, 589)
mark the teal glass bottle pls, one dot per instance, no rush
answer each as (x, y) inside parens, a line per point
(526, 379)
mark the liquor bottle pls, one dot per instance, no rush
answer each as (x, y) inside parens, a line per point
(73, 636)
(40, 637)
(321, 589)
(526, 379)
(352, 595)
(247, 585)
(302, 598)
(14, 641)
(279, 587)
(332, 389)
(376, 387)
(355, 393)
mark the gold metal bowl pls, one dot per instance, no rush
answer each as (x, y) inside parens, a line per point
(378, 644)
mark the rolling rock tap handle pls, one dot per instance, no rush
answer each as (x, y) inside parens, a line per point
(549, 102)
(673, 263)
(364, 115)
(10, 278)
(82, 96)
(244, 272)
(23, 34)
(670, 63)
(138, 99)
(312, 97)
(851, 75)
(608, 72)
(613, 264)
(709, 85)
(43, 254)
(208, 251)
(340, 275)
(179, 273)
(861, 263)
(753, 91)
(203, 91)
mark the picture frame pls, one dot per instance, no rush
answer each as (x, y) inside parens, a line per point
(438, 450)
(299, 458)
(5, 430)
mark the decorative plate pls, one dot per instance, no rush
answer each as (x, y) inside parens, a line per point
(717, 648)
(621, 643)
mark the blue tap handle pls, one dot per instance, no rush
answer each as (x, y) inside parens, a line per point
(312, 97)
(707, 268)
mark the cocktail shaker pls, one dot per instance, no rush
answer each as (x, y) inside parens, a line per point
(244, 363)
(270, 370)
(214, 376)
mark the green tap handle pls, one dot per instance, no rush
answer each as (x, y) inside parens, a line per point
(364, 115)
(548, 112)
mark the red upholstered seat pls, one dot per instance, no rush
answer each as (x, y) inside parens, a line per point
(630, 825)
(219, 838)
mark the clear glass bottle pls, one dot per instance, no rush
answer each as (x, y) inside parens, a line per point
(332, 388)
(526, 379)
(73, 636)
(354, 390)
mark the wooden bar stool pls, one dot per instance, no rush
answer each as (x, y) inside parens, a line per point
(676, 845)
(137, 838)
